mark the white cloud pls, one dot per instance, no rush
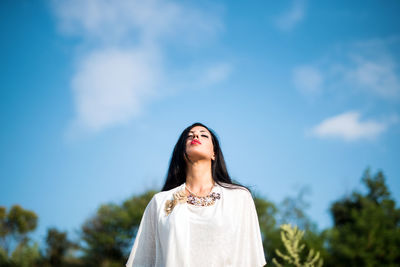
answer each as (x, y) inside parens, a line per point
(198, 77)
(349, 127)
(366, 68)
(307, 79)
(376, 76)
(121, 53)
(288, 20)
(216, 73)
(111, 86)
(143, 21)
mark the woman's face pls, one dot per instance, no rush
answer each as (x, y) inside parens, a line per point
(199, 144)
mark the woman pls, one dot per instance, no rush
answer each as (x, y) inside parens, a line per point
(200, 218)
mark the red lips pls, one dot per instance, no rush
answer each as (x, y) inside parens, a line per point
(194, 141)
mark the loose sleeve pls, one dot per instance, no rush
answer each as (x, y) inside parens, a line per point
(249, 246)
(143, 253)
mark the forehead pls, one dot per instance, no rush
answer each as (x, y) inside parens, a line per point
(200, 129)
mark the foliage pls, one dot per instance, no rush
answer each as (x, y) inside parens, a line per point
(15, 225)
(266, 212)
(57, 247)
(292, 210)
(3, 257)
(366, 228)
(25, 255)
(366, 232)
(14, 228)
(108, 235)
(291, 237)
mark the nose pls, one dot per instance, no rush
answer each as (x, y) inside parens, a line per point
(196, 135)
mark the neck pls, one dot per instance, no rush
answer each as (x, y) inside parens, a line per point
(199, 178)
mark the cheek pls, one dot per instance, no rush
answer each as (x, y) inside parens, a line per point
(210, 148)
(187, 145)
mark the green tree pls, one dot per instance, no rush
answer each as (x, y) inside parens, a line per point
(14, 228)
(366, 228)
(108, 235)
(57, 247)
(291, 237)
(292, 210)
(25, 255)
(266, 212)
(3, 257)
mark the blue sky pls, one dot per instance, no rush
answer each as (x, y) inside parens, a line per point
(94, 95)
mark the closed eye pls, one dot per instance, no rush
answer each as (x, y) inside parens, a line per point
(201, 135)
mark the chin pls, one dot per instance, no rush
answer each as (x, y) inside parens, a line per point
(198, 156)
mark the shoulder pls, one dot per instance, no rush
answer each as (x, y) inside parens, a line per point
(234, 188)
(162, 196)
(237, 192)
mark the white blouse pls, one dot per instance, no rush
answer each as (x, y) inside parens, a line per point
(226, 233)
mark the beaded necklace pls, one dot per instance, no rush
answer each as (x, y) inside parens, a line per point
(202, 201)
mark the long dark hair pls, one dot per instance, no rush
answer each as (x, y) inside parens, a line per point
(177, 167)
